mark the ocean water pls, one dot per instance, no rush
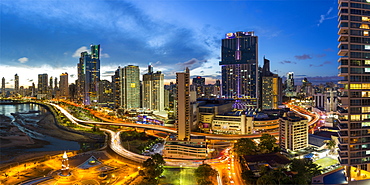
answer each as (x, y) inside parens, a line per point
(56, 144)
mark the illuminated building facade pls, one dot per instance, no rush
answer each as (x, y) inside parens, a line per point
(271, 88)
(199, 86)
(153, 90)
(63, 86)
(289, 83)
(183, 105)
(293, 133)
(239, 65)
(131, 87)
(89, 75)
(42, 86)
(354, 67)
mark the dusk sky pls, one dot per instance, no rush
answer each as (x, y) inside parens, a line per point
(47, 36)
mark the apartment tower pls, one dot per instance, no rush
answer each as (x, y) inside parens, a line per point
(63, 86)
(354, 67)
(183, 105)
(153, 90)
(239, 65)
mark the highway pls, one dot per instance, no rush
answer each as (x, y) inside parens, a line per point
(165, 129)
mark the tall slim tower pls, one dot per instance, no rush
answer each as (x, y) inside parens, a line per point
(63, 86)
(89, 75)
(16, 83)
(239, 65)
(3, 87)
(354, 52)
(153, 90)
(271, 88)
(183, 105)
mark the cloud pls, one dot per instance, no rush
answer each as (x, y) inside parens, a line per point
(104, 55)
(23, 60)
(78, 52)
(321, 55)
(329, 50)
(326, 16)
(192, 63)
(303, 57)
(320, 65)
(287, 62)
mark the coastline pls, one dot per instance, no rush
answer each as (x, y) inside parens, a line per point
(14, 143)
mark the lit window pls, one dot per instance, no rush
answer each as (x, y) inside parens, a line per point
(365, 19)
(367, 47)
(366, 109)
(367, 62)
(366, 33)
(364, 26)
(367, 70)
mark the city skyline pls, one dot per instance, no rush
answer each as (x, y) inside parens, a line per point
(171, 35)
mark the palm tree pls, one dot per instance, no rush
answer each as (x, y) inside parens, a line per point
(331, 145)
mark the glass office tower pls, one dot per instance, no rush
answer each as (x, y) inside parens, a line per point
(354, 67)
(239, 65)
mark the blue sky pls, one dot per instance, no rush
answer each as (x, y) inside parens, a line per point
(46, 36)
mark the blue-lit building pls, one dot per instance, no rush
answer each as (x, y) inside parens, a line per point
(239, 65)
(89, 75)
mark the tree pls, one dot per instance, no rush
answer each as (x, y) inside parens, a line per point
(245, 146)
(305, 168)
(204, 174)
(268, 144)
(153, 168)
(331, 145)
(248, 177)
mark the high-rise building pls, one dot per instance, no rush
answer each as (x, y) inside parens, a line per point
(293, 133)
(42, 86)
(126, 87)
(153, 90)
(239, 65)
(64, 86)
(131, 87)
(199, 86)
(3, 87)
(117, 80)
(16, 83)
(89, 75)
(183, 105)
(271, 88)
(354, 52)
(289, 85)
(105, 93)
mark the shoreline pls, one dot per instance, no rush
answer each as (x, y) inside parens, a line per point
(14, 142)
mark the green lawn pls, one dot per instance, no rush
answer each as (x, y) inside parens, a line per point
(178, 176)
(325, 162)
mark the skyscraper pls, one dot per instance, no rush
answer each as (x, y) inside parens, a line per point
(354, 62)
(42, 86)
(126, 87)
(3, 87)
(271, 88)
(63, 86)
(183, 105)
(199, 86)
(16, 83)
(153, 90)
(239, 65)
(89, 75)
(131, 87)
